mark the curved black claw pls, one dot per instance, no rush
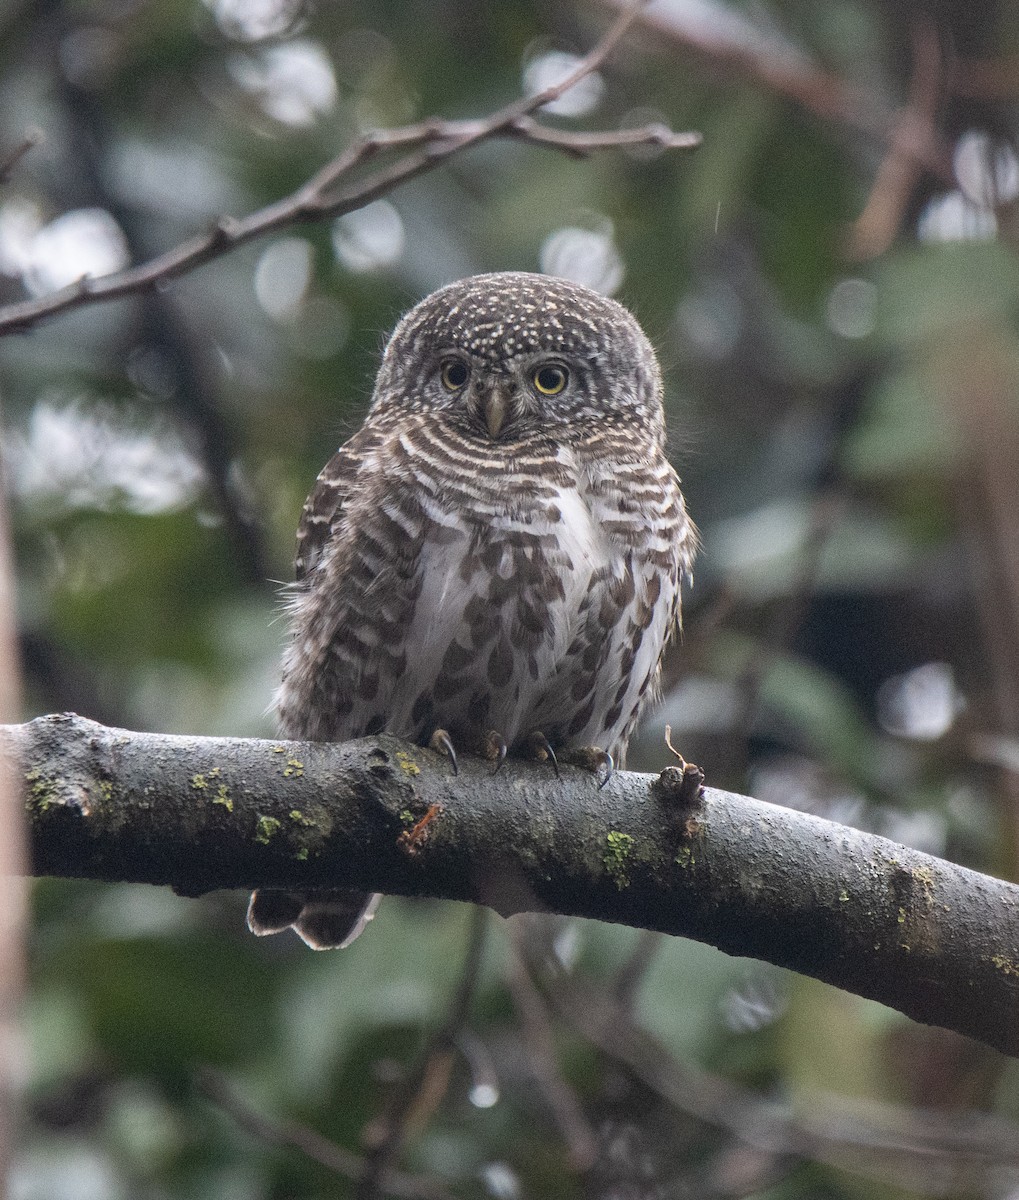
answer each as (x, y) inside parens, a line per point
(609, 763)
(595, 760)
(443, 743)
(541, 745)
(496, 748)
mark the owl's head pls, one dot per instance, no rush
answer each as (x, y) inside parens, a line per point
(500, 356)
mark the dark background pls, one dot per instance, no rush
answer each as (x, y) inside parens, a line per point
(831, 282)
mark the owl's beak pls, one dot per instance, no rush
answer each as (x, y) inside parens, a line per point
(495, 407)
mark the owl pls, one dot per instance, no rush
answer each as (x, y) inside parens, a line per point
(494, 560)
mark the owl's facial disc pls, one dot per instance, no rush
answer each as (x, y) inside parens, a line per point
(494, 400)
(502, 396)
(495, 404)
(500, 404)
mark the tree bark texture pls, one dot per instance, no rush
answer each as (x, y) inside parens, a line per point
(934, 940)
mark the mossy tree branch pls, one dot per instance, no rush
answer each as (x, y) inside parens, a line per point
(934, 940)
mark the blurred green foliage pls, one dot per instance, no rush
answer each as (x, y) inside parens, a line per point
(843, 413)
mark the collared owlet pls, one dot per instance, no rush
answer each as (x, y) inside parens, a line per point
(495, 558)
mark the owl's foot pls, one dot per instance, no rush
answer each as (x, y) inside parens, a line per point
(593, 759)
(442, 743)
(541, 748)
(494, 748)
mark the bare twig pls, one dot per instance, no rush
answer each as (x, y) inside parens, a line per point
(909, 1146)
(784, 73)
(631, 975)
(13, 157)
(875, 228)
(986, 79)
(426, 1085)
(539, 1044)
(581, 145)
(311, 1144)
(426, 145)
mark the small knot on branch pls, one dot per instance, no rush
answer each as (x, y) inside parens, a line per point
(682, 788)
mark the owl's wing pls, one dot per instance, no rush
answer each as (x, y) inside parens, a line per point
(324, 506)
(324, 919)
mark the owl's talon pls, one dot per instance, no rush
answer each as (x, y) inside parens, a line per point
(495, 749)
(543, 751)
(593, 759)
(609, 763)
(442, 743)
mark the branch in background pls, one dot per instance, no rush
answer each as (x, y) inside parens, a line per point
(311, 1144)
(976, 379)
(988, 80)
(538, 1038)
(829, 490)
(10, 160)
(425, 1086)
(425, 146)
(905, 1146)
(932, 939)
(160, 326)
(783, 71)
(876, 227)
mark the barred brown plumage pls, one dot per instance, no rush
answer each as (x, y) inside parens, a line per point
(497, 553)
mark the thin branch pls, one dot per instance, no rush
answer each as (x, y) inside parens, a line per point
(427, 145)
(311, 1144)
(932, 939)
(829, 493)
(787, 74)
(424, 1088)
(539, 1045)
(884, 1142)
(13, 157)
(975, 380)
(875, 228)
(160, 325)
(629, 979)
(583, 144)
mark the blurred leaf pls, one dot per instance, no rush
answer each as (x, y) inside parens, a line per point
(927, 291)
(163, 1007)
(800, 703)
(905, 432)
(761, 552)
(681, 1000)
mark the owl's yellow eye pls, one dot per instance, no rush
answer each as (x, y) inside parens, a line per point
(550, 380)
(455, 374)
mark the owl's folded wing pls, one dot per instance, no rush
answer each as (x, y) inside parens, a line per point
(324, 505)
